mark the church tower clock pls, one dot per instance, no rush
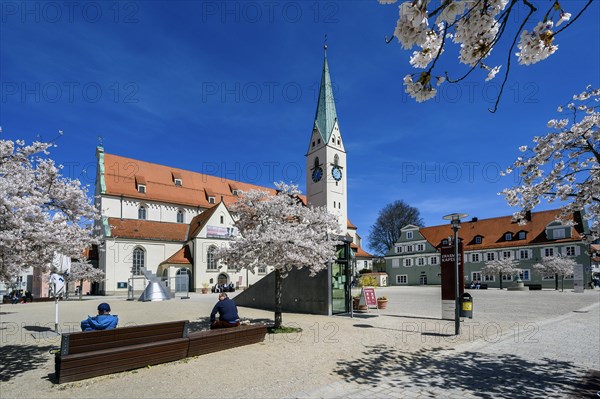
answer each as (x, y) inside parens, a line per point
(326, 157)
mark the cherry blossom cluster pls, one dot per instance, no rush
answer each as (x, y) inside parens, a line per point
(561, 265)
(281, 232)
(503, 266)
(563, 165)
(41, 211)
(474, 25)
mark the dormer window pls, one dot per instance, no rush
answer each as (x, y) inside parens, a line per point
(521, 235)
(478, 239)
(445, 241)
(235, 193)
(140, 184)
(177, 179)
(211, 200)
(508, 237)
(409, 235)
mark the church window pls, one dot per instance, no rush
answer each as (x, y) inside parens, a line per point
(338, 141)
(333, 140)
(316, 162)
(180, 216)
(336, 159)
(142, 212)
(318, 141)
(222, 219)
(138, 261)
(313, 143)
(211, 263)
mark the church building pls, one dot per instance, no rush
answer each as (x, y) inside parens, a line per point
(171, 221)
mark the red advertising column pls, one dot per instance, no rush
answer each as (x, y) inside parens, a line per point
(448, 282)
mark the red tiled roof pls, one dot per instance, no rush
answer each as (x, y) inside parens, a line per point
(120, 174)
(493, 231)
(361, 253)
(146, 229)
(350, 225)
(181, 257)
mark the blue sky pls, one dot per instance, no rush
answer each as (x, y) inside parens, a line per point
(230, 88)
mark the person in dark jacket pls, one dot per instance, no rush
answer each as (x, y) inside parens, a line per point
(103, 321)
(228, 313)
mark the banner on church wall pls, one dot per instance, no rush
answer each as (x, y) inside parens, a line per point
(221, 232)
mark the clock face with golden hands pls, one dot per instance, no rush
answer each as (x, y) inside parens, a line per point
(317, 174)
(336, 172)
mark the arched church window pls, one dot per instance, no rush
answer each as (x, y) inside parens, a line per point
(142, 212)
(211, 263)
(139, 256)
(316, 162)
(336, 159)
(180, 216)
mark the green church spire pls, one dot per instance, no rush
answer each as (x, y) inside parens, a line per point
(326, 115)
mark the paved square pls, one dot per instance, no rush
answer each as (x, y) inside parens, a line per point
(519, 344)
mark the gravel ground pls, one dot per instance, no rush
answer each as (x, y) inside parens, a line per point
(327, 352)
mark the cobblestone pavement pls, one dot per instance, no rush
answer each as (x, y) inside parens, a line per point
(518, 344)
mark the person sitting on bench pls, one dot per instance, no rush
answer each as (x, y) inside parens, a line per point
(104, 320)
(228, 313)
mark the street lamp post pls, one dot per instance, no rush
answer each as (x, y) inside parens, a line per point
(455, 223)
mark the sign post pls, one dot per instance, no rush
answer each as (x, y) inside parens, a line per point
(368, 298)
(449, 282)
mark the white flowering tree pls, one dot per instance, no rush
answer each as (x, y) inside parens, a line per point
(280, 232)
(41, 211)
(558, 266)
(563, 165)
(81, 271)
(476, 26)
(501, 267)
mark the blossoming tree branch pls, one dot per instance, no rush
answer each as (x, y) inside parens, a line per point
(563, 165)
(477, 26)
(42, 212)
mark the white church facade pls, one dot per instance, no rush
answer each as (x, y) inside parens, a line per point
(171, 220)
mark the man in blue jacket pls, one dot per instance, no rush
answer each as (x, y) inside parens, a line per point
(104, 320)
(228, 314)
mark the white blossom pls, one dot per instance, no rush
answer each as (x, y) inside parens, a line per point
(492, 73)
(279, 231)
(564, 166)
(420, 90)
(537, 45)
(564, 16)
(476, 26)
(41, 211)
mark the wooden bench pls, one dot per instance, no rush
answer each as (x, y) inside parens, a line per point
(534, 287)
(94, 353)
(203, 342)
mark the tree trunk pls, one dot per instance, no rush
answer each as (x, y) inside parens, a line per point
(500, 280)
(80, 289)
(556, 281)
(278, 315)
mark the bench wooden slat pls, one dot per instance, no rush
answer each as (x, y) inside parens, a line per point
(204, 342)
(92, 364)
(86, 341)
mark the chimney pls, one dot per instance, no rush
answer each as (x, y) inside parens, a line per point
(474, 220)
(528, 216)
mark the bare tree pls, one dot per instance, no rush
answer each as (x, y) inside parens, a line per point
(392, 218)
